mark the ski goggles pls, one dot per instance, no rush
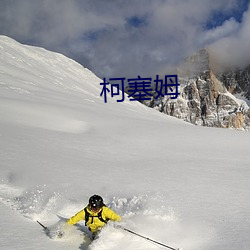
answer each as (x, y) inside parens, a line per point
(94, 208)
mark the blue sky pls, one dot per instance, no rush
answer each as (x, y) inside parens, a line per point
(126, 38)
(218, 17)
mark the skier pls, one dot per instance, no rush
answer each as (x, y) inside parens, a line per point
(95, 214)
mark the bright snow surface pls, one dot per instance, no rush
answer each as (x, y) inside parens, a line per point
(182, 185)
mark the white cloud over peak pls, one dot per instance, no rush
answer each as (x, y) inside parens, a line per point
(122, 38)
(233, 49)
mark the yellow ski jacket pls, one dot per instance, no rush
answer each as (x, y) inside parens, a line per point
(94, 223)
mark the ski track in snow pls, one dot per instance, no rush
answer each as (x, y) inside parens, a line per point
(43, 117)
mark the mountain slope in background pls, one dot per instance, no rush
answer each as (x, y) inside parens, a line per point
(183, 185)
(206, 95)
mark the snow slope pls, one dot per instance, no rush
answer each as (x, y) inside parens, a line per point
(176, 183)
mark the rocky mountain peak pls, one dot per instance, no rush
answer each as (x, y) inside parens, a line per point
(197, 64)
(206, 98)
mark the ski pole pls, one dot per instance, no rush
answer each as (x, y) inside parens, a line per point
(45, 228)
(146, 238)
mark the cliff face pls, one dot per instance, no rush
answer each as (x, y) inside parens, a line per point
(207, 98)
(237, 81)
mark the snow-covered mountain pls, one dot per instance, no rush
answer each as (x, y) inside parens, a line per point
(207, 95)
(182, 185)
(237, 81)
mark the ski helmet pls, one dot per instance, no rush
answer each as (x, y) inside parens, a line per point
(95, 202)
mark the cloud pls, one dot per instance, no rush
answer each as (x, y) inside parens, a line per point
(226, 29)
(121, 38)
(233, 49)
